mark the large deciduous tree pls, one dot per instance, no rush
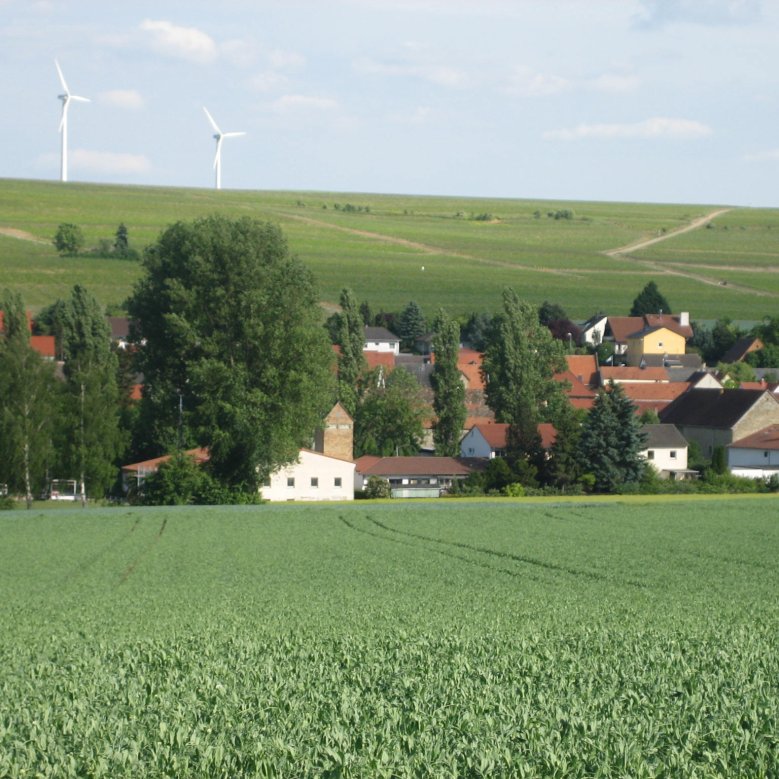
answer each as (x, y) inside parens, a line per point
(28, 404)
(448, 387)
(234, 350)
(520, 360)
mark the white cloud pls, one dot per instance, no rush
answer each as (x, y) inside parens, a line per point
(528, 83)
(186, 43)
(610, 82)
(658, 13)
(109, 162)
(288, 103)
(268, 81)
(286, 60)
(122, 98)
(441, 75)
(656, 127)
(771, 155)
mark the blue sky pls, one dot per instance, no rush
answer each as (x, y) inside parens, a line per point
(628, 100)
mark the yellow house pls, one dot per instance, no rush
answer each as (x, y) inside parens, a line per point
(653, 340)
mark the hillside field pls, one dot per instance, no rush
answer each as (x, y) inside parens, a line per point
(729, 268)
(593, 638)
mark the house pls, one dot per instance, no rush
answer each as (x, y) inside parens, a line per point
(654, 340)
(413, 477)
(379, 339)
(666, 451)
(756, 456)
(621, 329)
(314, 476)
(655, 396)
(44, 345)
(580, 380)
(489, 440)
(718, 417)
(592, 331)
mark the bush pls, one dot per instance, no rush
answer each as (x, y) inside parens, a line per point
(377, 488)
(515, 490)
(69, 239)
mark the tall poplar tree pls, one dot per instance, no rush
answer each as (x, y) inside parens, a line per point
(351, 339)
(448, 387)
(520, 360)
(28, 404)
(94, 440)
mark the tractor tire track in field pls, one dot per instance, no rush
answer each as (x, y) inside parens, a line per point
(429, 249)
(443, 552)
(525, 560)
(128, 572)
(90, 561)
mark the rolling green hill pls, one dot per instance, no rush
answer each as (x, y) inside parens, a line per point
(453, 252)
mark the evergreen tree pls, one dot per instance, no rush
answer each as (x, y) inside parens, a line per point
(564, 467)
(350, 336)
(122, 241)
(411, 326)
(94, 441)
(28, 404)
(611, 440)
(448, 387)
(233, 335)
(650, 301)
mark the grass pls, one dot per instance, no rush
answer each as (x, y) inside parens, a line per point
(380, 251)
(446, 638)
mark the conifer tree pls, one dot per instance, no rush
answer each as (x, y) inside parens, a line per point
(650, 301)
(411, 326)
(350, 337)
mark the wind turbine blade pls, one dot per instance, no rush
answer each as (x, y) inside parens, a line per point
(64, 114)
(62, 78)
(80, 99)
(213, 123)
(232, 135)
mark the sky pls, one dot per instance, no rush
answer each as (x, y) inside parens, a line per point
(609, 100)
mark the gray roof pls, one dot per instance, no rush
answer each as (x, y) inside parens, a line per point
(714, 408)
(379, 334)
(664, 437)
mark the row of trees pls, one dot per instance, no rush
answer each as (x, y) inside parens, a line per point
(69, 240)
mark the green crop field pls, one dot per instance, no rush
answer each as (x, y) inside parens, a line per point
(380, 251)
(627, 638)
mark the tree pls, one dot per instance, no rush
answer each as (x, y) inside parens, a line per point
(564, 468)
(735, 373)
(69, 239)
(389, 415)
(476, 329)
(611, 440)
(411, 326)
(28, 404)
(448, 387)
(650, 301)
(350, 337)
(550, 312)
(520, 360)
(234, 349)
(121, 241)
(94, 440)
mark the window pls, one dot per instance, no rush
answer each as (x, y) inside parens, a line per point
(290, 481)
(314, 481)
(337, 481)
(266, 483)
(765, 454)
(650, 455)
(673, 454)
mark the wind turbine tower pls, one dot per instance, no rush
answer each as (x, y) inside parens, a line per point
(66, 97)
(219, 136)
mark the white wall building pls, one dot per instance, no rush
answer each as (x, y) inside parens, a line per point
(315, 476)
(757, 455)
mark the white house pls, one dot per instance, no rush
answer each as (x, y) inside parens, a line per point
(379, 339)
(489, 440)
(593, 330)
(666, 451)
(315, 476)
(412, 477)
(756, 456)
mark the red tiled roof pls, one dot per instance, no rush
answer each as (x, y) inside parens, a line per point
(578, 389)
(624, 326)
(376, 359)
(45, 345)
(496, 433)
(469, 364)
(767, 438)
(415, 466)
(150, 466)
(669, 321)
(584, 367)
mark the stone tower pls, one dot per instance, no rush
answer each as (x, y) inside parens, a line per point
(336, 438)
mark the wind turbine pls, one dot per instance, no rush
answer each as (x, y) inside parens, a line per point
(66, 97)
(219, 137)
